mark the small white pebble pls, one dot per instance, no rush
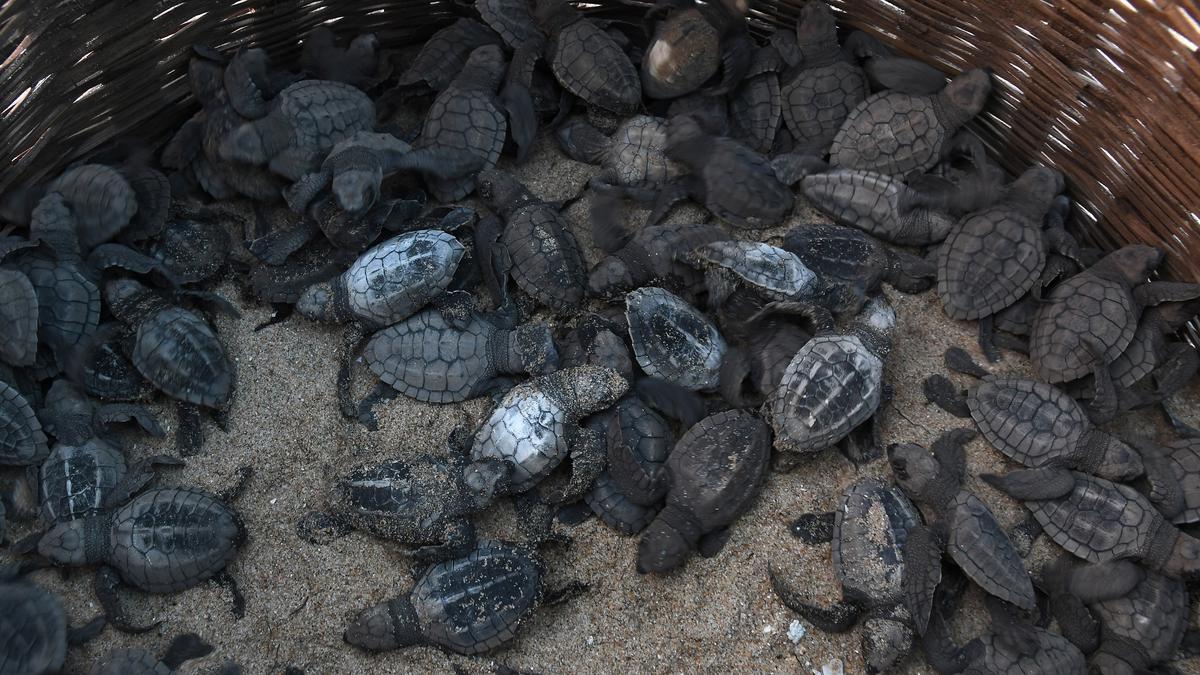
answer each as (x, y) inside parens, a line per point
(796, 631)
(834, 667)
(273, 500)
(591, 640)
(768, 629)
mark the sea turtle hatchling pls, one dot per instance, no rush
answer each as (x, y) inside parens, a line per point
(18, 318)
(691, 44)
(964, 527)
(132, 661)
(469, 605)
(536, 426)
(164, 540)
(512, 20)
(878, 204)
(654, 255)
(34, 634)
(756, 106)
(586, 60)
(868, 532)
(22, 441)
(306, 120)
(715, 474)
(897, 133)
(672, 340)
(833, 385)
(634, 156)
(847, 255)
(532, 244)
(194, 249)
(446, 52)
(68, 300)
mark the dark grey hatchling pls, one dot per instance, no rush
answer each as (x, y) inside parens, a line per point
(849, 256)
(530, 242)
(896, 133)
(868, 532)
(633, 156)
(832, 385)
(427, 358)
(1089, 320)
(536, 426)
(1099, 520)
(424, 502)
(446, 52)
(22, 441)
(964, 527)
(18, 318)
(628, 494)
(68, 300)
(586, 60)
(674, 341)
(715, 474)
(306, 120)
(762, 344)
(34, 634)
(770, 271)
(146, 662)
(878, 204)
(511, 19)
(164, 540)
(360, 63)
(691, 44)
(194, 249)
(1153, 367)
(995, 256)
(756, 106)
(104, 369)
(655, 255)
(103, 199)
(470, 605)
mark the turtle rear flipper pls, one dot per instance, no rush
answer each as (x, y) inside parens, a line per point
(836, 619)
(922, 572)
(1033, 484)
(108, 581)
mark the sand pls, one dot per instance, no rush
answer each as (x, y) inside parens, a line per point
(714, 615)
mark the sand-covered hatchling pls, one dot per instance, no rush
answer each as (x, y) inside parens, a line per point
(847, 255)
(672, 340)
(22, 441)
(469, 605)
(868, 532)
(963, 526)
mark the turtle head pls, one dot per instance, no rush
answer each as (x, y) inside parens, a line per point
(316, 303)
(357, 190)
(968, 92)
(486, 478)
(499, 189)
(76, 542)
(485, 67)
(816, 25)
(1131, 263)
(914, 467)
(256, 142)
(386, 626)
(611, 276)
(1038, 187)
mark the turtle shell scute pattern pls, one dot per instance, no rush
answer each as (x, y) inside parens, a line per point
(170, 539)
(22, 441)
(779, 274)
(1099, 520)
(529, 429)
(832, 385)
(891, 133)
(76, 479)
(511, 19)
(546, 261)
(181, 355)
(992, 259)
(1154, 615)
(611, 505)
(683, 55)
(1051, 654)
(1184, 458)
(33, 629)
(817, 100)
(1082, 310)
(464, 120)
(18, 318)
(672, 340)
(637, 155)
(68, 303)
(323, 112)
(984, 552)
(589, 64)
(101, 199)
(1032, 422)
(393, 280)
(870, 530)
(427, 359)
(756, 112)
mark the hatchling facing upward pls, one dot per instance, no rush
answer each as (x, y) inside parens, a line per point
(964, 526)
(691, 44)
(536, 426)
(715, 474)
(424, 502)
(849, 256)
(868, 532)
(34, 634)
(655, 255)
(672, 340)
(306, 120)
(587, 61)
(896, 133)
(469, 605)
(995, 256)
(532, 244)
(164, 540)
(832, 386)
(145, 662)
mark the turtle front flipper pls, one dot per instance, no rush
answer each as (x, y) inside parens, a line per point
(1032, 484)
(238, 601)
(922, 571)
(107, 584)
(588, 459)
(138, 477)
(942, 393)
(959, 361)
(1103, 406)
(905, 75)
(301, 193)
(737, 54)
(458, 540)
(82, 634)
(981, 548)
(366, 408)
(987, 338)
(115, 413)
(814, 528)
(943, 654)
(671, 194)
(836, 619)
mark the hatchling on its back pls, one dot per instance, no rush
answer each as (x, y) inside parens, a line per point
(672, 340)
(963, 526)
(850, 256)
(655, 254)
(587, 61)
(145, 662)
(533, 244)
(868, 533)
(634, 156)
(995, 256)
(33, 628)
(879, 204)
(306, 120)
(897, 133)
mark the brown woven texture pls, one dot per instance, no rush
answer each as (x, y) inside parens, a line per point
(1108, 91)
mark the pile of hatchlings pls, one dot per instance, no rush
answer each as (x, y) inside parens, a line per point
(675, 375)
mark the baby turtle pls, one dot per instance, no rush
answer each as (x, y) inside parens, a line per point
(193, 249)
(672, 340)
(468, 116)
(896, 133)
(995, 256)
(878, 204)
(587, 62)
(535, 427)
(101, 199)
(33, 629)
(145, 662)
(868, 532)
(445, 53)
(470, 605)
(163, 541)
(1153, 367)
(715, 474)
(850, 256)
(18, 318)
(634, 156)
(424, 502)
(756, 106)
(833, 385)
(361, 63)
(770, 271)
(68, 301)
(1088, 320)
(964, 527)
(1099, 520)
(104, 369)
(762, 346)
(22, 441)
(512, 20)
(821, 89)
(533, 244)
(306, 120)
(654, 255)
(428, 359)
(691, 44)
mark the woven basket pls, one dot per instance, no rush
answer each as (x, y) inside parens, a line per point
(1108, 91)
